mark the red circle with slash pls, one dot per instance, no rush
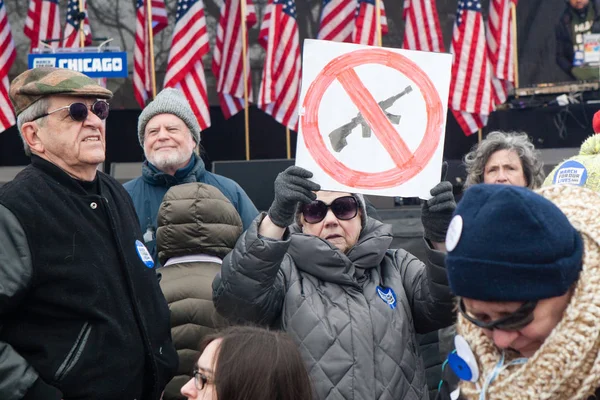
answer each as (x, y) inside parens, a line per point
(407, 164)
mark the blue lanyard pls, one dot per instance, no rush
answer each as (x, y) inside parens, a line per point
(497, 369)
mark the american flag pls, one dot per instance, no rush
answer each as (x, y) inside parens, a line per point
(141, 54)
(500, 47)
(7, 57)
(422, 26)
(365, 26)
(42, 22)
(280, 85)
(471, 97)
(72, 35)
(185, 70)
(337, 20)
(227, 65)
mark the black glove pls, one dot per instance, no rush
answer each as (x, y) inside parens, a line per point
(291, 187)
(436, 213)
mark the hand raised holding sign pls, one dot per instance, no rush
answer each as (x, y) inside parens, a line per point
(291, 187)
(436, 213)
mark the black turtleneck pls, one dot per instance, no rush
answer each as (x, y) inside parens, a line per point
(90, 187)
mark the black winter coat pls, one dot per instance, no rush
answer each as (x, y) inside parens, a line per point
(564, 42)
(81, 316)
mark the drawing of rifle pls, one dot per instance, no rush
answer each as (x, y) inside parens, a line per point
(338, 136)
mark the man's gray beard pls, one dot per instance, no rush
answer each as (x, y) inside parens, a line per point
(172, 159)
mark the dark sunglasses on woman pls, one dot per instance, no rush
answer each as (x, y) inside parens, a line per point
(344, 208)
(512, 322)
(79, 111)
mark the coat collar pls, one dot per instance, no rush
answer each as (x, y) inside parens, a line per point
(187, 174)
(58, 174)
(317, 257)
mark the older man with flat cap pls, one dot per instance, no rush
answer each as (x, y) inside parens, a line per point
(81, 312)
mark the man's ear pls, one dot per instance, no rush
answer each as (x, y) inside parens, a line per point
(29, 130)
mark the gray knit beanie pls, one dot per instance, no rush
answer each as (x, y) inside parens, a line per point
(169, 101)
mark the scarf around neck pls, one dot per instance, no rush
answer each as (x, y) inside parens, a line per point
(567, 365)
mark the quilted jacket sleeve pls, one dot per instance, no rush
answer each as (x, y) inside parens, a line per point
(426, 286)
(251, 285)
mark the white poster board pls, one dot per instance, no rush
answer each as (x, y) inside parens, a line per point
(591, 48)
(373, 119)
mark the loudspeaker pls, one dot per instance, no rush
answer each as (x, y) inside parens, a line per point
(457, 175)
(256, 177)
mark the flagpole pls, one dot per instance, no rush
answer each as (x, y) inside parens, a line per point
(151, 48)
(378, 21)
(513, 26)
(479, 135)
(244, 60)
(287, 143)
(81, 32)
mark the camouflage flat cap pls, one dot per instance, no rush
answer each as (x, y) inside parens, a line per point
(36, 83)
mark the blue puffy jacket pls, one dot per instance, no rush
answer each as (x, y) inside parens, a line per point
(148, 191)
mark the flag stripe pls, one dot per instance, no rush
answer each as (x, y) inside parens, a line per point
(422, 26)
(42, 22)
(365, 29)
(500, 48)
(71, 37)
(280, 85)
(141, 54)
(471, 91)
(227, 65)
(337, 20)
(7, 58)
(185, 70)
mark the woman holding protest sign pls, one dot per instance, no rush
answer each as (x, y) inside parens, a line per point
(317, 266)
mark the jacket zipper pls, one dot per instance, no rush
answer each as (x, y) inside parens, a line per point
(75, 352)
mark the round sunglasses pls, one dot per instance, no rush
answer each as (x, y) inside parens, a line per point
(79, 111)
(515, 321)
(344, 208)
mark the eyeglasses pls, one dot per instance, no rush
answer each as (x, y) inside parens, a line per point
(344, 208)
(512, 322)
(79, 111)
(200, 380)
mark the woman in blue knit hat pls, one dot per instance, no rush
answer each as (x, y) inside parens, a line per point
(525, 268)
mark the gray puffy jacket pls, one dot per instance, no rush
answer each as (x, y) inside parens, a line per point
(356, 344)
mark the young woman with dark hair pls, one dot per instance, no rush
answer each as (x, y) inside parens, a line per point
(248, 363)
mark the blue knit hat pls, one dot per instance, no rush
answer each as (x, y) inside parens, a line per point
(507, 243)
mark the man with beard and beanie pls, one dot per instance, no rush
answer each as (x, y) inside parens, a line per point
(317, 266)
(81, 311)
(580, 17)
(169, 132)
(525, 267)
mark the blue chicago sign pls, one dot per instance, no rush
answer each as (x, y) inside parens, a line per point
(94, 65)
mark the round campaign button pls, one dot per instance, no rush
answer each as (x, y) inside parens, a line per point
(571, 173)
(144, 254)
(464, 352)
(460, 367)
(454, 231)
